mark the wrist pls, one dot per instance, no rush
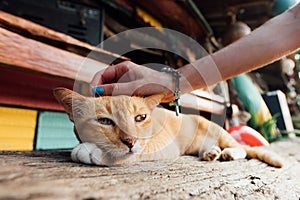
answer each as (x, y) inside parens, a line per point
(176, 75)
(199, 74)
(168, 81)
(186, 84)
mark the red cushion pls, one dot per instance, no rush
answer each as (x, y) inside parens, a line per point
(247, 135)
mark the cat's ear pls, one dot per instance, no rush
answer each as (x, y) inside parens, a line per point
(154, 100)
(69, 100)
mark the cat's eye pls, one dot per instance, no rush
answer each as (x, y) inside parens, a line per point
(106, 121)
(140, 118)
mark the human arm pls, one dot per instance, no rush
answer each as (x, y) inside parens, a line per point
(276, 38)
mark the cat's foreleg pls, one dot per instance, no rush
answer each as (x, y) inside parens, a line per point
(87, 153)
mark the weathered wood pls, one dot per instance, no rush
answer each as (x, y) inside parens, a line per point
(40, 33)
(32, 90)
(51, 175)
(21, 52)
(31, 69)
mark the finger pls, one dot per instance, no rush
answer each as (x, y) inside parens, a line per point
(97, 79)
(132, 89)
(114, 89)
(113, 73)
(107, 75)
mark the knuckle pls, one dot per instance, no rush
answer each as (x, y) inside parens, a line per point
(115, 89)
(127, 63)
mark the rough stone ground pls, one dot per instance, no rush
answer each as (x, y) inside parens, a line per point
(52, 175)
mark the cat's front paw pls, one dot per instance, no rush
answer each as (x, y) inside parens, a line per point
(212, 154)
(233, 153)
(87, 153)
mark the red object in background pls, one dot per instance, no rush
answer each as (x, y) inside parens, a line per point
(30, 89)
(247, 135)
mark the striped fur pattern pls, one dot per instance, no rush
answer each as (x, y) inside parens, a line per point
(122, 129)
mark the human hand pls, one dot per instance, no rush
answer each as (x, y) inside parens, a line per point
(128, 78)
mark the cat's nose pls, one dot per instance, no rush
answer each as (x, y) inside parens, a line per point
(129, 142)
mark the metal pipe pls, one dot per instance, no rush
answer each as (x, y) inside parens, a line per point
(200, 16)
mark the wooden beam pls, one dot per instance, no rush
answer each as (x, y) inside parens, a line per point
(190, 100)
(21, 52)
(183, 178)
(35, 31)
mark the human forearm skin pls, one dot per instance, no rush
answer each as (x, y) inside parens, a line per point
(277, 37)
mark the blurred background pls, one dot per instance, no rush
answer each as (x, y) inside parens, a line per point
(43, 43)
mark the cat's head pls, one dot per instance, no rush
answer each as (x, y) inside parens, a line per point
(116, 124)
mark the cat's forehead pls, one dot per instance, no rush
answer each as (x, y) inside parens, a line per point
(113, 104)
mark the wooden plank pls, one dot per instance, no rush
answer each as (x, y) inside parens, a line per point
(18, 51)
(209, 95)
(40, 33)
(52, 175)
(190, 100)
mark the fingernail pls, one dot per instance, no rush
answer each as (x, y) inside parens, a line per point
(98, 91)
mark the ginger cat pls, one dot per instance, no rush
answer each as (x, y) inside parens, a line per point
(122, 129)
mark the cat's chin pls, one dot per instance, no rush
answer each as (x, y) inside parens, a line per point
(125, 153)
(121, 155)
(136, 149)
(129, 152)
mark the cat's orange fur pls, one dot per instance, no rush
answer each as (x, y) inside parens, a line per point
(112, 132)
